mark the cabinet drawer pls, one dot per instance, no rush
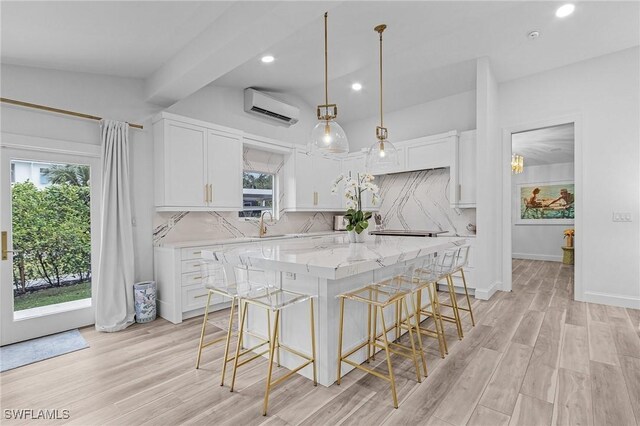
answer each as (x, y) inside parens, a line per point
(194, 297)
(191, 279)
(190, 266)
(196, 252)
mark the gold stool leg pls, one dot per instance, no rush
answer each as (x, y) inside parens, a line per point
(466, 292)
(388, 354)
(243, 309)
(313, 343)
(272, 349)
(369, 330)
(226, 345)
(398, 319)
(454, 304)
(375, 326)
(437, 319)
(403, 302)
(417, 325)
(204, 326)
(340, 339)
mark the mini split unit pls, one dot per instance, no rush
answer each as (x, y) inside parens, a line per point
(266, 106)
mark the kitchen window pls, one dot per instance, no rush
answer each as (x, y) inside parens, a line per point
(259, 194)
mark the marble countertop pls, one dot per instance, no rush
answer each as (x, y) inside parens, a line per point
(240, 240)
(333, 257)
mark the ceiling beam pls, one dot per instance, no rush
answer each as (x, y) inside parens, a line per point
(244, 31)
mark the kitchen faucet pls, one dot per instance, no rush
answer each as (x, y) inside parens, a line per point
(263, 227)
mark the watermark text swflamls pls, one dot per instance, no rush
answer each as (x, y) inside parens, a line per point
(31, 414)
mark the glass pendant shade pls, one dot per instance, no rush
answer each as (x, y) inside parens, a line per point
(382, 158)
(328, 138)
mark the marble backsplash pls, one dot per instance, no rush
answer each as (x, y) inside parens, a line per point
(194, 226)
(420, 200)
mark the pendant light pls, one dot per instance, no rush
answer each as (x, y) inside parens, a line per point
(327, 137)
(517, 163)
(382, 156)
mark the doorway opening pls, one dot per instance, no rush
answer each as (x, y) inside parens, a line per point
(51, 226)
(543, 210)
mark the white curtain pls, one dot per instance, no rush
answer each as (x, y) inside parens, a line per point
(114, 298)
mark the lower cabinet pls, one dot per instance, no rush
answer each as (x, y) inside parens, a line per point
(181, 292)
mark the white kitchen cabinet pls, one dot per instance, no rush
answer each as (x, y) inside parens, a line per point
(307, 182)
(431, 152)
(224, 171)
(198, 165)
(181, 293)
(467, 170)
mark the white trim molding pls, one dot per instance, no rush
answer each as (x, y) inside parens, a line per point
(612, 299)
(486, 293)
(529, 256)
(576, 119)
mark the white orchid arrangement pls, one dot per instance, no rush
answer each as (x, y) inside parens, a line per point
(354, 187)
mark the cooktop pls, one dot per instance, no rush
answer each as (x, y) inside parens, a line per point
(407, 232)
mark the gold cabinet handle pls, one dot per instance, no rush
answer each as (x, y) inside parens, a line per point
(211, 193)
(206, 194)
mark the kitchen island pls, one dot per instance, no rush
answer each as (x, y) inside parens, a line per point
(327, 266)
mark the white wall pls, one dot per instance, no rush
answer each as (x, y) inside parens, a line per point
(604, 92)
(538, 242)
(456, 112)
(104, 96)
(225, 106)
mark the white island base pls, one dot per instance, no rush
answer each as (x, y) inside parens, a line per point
(327, 267)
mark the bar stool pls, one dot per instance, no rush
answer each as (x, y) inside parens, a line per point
(439, 268)
(461, 257)
(377, 297)
(425, 278)
(217, 281)
(258, 290)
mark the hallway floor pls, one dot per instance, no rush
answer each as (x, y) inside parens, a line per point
(535, 357)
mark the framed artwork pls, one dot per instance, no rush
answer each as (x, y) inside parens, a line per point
(546, 203)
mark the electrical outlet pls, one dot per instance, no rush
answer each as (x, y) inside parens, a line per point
(621, 217)
(171, 222)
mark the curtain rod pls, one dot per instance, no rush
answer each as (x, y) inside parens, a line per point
(59, 111)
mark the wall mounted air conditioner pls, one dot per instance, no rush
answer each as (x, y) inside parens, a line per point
(266, 106)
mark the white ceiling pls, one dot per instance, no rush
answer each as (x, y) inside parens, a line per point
(127, 39)
(550, 145)
(430, 46)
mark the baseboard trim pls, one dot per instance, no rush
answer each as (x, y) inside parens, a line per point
(486, 293)
(545, 257)
(612, 299)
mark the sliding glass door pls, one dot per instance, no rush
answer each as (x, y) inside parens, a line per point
(49, 205)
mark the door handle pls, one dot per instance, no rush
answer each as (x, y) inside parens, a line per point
(5, 246)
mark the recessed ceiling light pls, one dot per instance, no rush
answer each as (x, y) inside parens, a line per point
(565, 10)
(356, 86)
(267, 59)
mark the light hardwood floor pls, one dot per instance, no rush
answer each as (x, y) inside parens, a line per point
(535, 357)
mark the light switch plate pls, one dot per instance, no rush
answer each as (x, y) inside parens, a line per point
(290, 275)
(621, 217)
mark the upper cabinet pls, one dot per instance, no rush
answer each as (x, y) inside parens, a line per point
(198, 166)
(307, 182)
(452, 150)
(467, 170)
